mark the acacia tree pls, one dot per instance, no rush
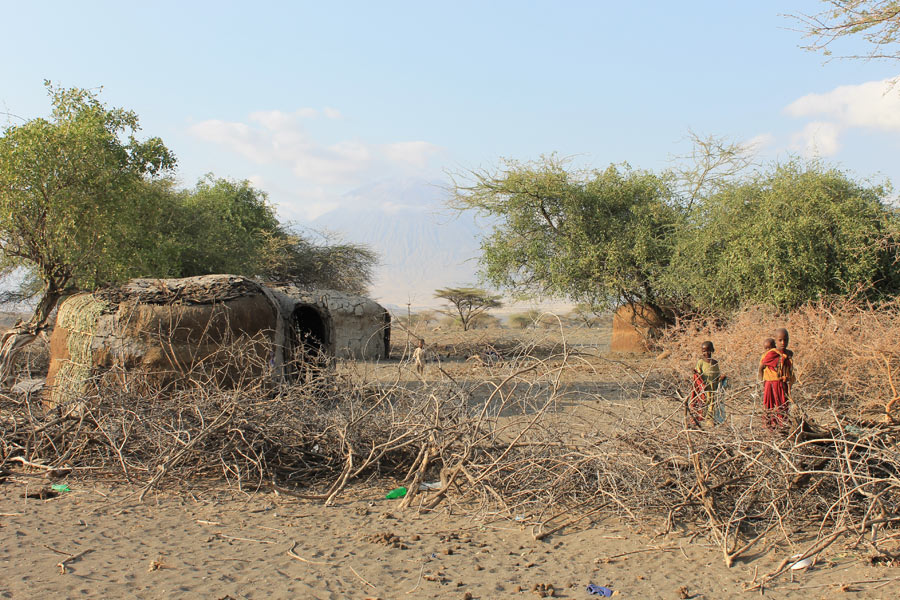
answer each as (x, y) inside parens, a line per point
(337, 265)
(603, 237)
(467, 303)
(797, 233)
(587, 314)
(68, 186)
(794, 233)
(877, 22)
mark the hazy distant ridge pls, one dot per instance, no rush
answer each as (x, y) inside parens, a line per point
(421, 244)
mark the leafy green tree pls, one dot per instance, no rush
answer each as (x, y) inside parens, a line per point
(798, 233)
(222, 226)
(225, 226)
(85, 204)
(603, 237)
(467, 303)
(68, 191)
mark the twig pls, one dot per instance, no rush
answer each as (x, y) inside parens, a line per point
(361, 577)
(419, 580)
(241, 539)
(845, 583)
(292, 554)
(69, 558)
(614, 556)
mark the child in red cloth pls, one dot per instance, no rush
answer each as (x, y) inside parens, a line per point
(776, 369)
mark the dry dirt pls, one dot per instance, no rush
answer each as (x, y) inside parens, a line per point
(99, 541)
(219, 544)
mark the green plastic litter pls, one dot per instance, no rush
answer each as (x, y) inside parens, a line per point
(60, 487)
(396, 493)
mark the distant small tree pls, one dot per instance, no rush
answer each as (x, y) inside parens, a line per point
(467, 303)
(449, 323)
(587, 314)
(520, 321)
(485, 321)
(426, 317)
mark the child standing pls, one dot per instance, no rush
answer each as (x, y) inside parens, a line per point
(419, 357)
(776, 369)
(711, 378)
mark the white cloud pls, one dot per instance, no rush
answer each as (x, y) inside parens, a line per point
(305, 204)
(415, 154)
(874, 104)
(758, 143)
(314, 210)
(817, 139)
(257, 181)
(324, 166)
(276, 119)
(278, 138)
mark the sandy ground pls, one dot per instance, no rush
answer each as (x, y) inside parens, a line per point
(225, 545)
(221, 544)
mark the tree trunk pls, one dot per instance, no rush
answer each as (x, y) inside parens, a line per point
(22, 334)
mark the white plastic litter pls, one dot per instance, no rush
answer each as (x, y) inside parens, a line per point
(801, 564)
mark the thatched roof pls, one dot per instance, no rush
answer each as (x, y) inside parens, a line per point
(204, 289)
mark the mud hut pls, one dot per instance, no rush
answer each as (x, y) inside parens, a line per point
(163, 329)
(634, 327)
(342, 325)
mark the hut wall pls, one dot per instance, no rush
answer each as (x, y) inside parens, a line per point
(633, 328)
(161, 341)
(359, 332)
(359, 328)
(160, 330)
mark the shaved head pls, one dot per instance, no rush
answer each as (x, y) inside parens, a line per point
(782, 338)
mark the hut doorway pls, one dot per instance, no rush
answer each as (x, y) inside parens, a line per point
(310, 332)
(310, 344)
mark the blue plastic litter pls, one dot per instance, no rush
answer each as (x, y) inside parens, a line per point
(599, 590)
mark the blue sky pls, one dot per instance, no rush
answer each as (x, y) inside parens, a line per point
(312, 101)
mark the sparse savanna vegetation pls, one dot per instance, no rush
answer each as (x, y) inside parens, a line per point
(522, 417)
(540, 422)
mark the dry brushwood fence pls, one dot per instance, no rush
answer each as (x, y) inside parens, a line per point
(528, 440)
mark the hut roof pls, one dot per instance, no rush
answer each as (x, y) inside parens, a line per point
(204, 289)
